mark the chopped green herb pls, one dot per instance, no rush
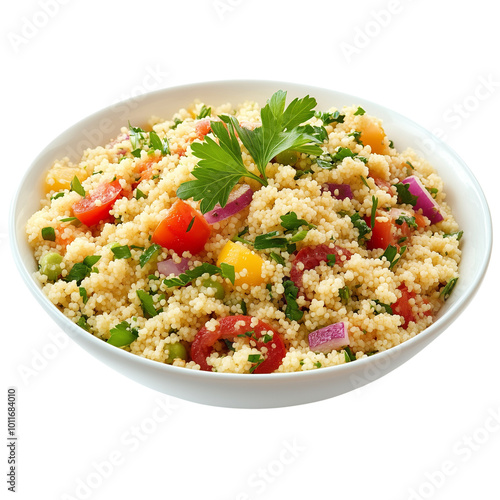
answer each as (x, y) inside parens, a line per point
(359, 112)
(83, 294)
(317, 364)
(122, 334)
(269, 240)
(77, 187)
(299, 236)
(255, 358)
(229, 344)
(327, 118)
(190, 225)
(48, 233)
(139, 194)
(433, 192)
(269, 288)
(82, 322)
(349, 355)
(374, 211)
(292, 310)
(410, 220)
(344, 294)
(227, 271)
(58, 195)
(190, 275)
(391, 144)
(393, 255)
(148, 254)
(356, 135)
(121, 252)
(290, 222)
(204, 112)
(331, 258)
(404, 195)
(243, 306)
(277, 258)
(364, 181)
(177, 121)
(458, 234)
(68, 219)
(301, 173)
(147, 304)
(448, 288)
(359, 223)
(386, 307)
(81, 270)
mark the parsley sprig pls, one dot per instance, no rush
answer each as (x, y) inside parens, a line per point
(221, 164)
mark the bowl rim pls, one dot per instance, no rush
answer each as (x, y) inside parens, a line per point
(425, 336)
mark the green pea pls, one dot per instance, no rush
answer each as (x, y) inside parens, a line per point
(175, 350)
(219, 289)
(50, 265)
(287, 157)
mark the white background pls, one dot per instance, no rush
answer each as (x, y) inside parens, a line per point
(423, 431)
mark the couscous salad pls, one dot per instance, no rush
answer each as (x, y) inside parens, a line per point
(248, 240)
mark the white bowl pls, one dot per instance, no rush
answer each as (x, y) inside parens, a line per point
(273, 390)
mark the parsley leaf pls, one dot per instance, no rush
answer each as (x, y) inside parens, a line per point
(81, 270)
(277, 258)
(290, 222)
(255, 358)
(292, 310)
(268, 240)
(374, 211)
(190, 275)
(139, 194)
(349, 355)
(404, 195)
(327, 118)
(410, 220)
(458, 234)
(448, 288)
(221, 165)
(147, 304)
(204, 112)
(122, 335)
(121, 252)
(359, 223)
(148, 254)
(220, 168)
(48, 233)
(77, 187)
(360, 111)
(393, 255)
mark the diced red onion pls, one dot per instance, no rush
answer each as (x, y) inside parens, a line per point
(168, 267)
(238, 200)
(329, 338)
(344, 190)
(424, 199)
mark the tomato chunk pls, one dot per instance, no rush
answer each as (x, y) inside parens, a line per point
(202, 128)
(311, 257)
(183, 229)
(402, 307)
(231, 327)
(95, 207)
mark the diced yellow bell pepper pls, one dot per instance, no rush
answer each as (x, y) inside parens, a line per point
(59, 178)
(242, 258)
(372, 134)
